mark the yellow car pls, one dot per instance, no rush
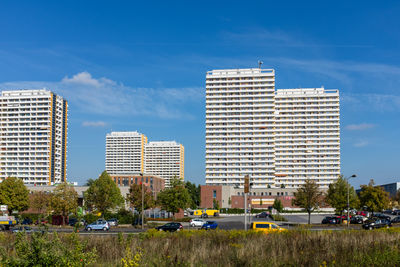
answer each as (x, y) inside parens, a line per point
(267, 227)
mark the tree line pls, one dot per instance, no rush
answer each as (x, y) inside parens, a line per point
(101, 196)
(372, 198)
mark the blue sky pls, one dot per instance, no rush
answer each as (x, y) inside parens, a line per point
(126, 65)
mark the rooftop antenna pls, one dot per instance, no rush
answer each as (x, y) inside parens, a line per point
(259, 64)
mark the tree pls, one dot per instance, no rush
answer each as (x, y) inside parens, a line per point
(64, 200)
(89, 182)
(215, 204)
(278, 205)
(308, 197)
(373, 197)
(14, 194)
(103, 194)
(135, 197)
(337, 195)
(194, 192)
(175, 197)
(40, 201)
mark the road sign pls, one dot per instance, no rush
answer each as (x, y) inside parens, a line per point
(3, 207)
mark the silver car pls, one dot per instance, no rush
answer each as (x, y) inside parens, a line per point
(197, 222)
(98, 225)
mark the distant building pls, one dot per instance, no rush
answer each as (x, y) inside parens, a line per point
(278, 137)
(128, 155)
(125, 153)
(153, 183)
(33, 140)
(165, 159)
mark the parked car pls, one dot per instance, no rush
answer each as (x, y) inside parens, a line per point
(396, 212)
(113, 222)
(73, 221)
(381, 216)
(170, 227)
(388, 211)
(25, 229)
(376, 223)
(363, 213)
(329, 220)
(196, 222)
(395, 220)
(267, 227)
(263, 214)
(98, 225)
(210, 225)
(42, 221)
(358, 219)
(26, 221)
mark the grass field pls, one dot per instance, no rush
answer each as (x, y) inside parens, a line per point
(205, 248)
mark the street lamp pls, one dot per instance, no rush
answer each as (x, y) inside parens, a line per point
(348, 200)
(141, 174)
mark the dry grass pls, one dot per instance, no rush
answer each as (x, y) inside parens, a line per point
(239, 248)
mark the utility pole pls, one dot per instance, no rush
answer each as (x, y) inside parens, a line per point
(246, 190)
(348, 198)
(141, 174)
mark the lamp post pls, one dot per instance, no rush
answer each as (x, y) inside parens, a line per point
(348, 198)
(141, 174)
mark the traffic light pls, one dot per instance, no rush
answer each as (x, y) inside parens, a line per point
(246, 184)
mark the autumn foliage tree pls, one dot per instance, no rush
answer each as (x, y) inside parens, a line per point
(40, 201)
(64, 200)
(135, 197)
(308, 197)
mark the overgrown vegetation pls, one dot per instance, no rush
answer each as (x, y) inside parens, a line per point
(202, 248)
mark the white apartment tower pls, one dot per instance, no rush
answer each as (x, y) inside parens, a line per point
(125, 153)
(307, 136)
(240, 126)
(33, 136)
(165, 159)
(278, 137)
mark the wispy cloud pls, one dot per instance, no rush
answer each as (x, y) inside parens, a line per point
(104, 96)
(94, 124)
(360, 127)
(361, 143)
(375, 102)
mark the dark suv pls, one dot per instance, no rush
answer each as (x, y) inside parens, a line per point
(376, 223)
(170, 227)
(329, 220)
(263, 214)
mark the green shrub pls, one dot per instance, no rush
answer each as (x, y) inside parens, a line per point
(44, 250)
(277, 217)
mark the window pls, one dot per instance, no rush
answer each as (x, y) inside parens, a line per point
(214, 193)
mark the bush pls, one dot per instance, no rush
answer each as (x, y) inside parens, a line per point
(44, 250)
(277, 217)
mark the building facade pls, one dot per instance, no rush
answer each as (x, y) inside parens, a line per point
(165, 159)
(153, 183)
(278, 137)
(125, 153)
(33, 136)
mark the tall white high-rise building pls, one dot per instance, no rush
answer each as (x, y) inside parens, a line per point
(165, 159)
(280, 138)
(33, 136)
(125, 153)
(307, 136)
(240, 126)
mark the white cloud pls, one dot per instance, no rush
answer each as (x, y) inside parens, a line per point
(94, 124)
(361, 143)
(107, 97)
(360, 127)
